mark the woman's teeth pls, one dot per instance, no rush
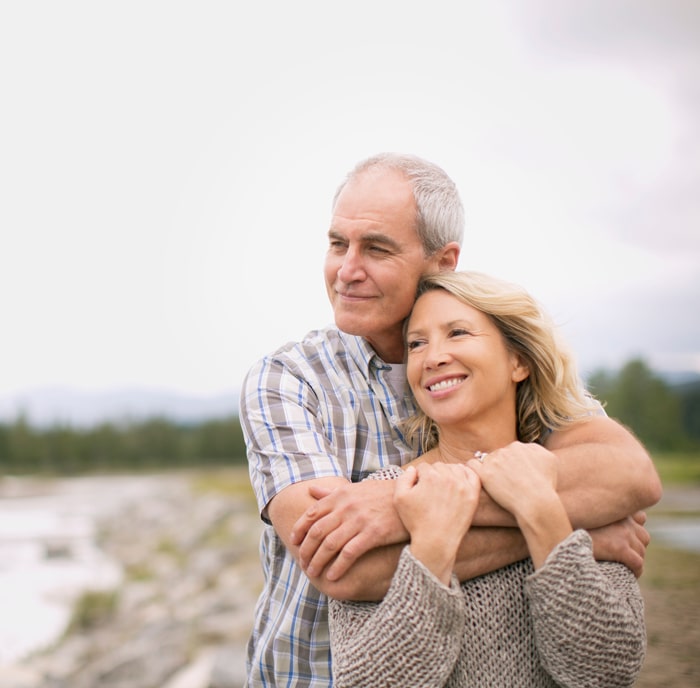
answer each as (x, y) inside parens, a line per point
(445, 384)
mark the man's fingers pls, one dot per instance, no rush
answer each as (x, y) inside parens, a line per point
(638, 535)
(635, 564)
(315, 536)
(639, 542)
(350, 553)
(300, 529)
(640, 517)
(643, 536)
(329, 547)
(312, 515)
(319, 492)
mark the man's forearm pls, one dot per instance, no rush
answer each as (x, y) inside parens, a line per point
(482, 550)
(367, 580)
(488, 549)
(489, 514)
(604, 474)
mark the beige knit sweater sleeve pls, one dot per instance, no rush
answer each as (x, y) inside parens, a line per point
(411, 638)
(588, 617)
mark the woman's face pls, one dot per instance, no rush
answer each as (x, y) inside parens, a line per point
(459, 367)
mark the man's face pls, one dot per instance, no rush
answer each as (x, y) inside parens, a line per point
(375, 259)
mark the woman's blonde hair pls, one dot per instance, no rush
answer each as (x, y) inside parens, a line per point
(552, 396)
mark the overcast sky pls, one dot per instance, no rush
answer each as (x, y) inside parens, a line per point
(166, 171)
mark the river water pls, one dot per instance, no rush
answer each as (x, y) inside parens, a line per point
(679, 533)
(48, 554)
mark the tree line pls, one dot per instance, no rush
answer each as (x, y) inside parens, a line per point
(153, 443)
(665, 418)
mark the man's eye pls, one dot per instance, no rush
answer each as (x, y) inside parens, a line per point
(378, 249)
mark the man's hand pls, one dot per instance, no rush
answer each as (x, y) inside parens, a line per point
(344, 524)
(624, 541)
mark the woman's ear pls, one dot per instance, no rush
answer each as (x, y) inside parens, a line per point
(521, 370)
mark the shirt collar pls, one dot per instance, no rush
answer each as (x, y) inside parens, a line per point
(360, 350)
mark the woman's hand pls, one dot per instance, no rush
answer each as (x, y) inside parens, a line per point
(516, 473)
(522, 478)
(436, 503)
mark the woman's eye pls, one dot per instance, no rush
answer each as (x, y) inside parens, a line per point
(459, 332)
(413, 344)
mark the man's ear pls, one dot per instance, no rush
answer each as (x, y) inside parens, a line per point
(448, 256)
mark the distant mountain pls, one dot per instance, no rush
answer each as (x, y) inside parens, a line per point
(676, 377)
(48, 406)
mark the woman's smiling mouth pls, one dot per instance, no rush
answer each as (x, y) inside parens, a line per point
(446, 384)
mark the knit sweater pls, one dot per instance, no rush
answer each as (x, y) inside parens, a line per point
(574, 622)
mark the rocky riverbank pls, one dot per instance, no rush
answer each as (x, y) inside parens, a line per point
(182, 615)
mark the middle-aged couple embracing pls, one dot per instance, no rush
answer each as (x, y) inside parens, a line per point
(434, 467)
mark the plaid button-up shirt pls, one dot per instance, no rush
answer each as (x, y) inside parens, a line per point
(317, 408)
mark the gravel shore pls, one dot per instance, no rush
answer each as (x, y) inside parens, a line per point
(182, 615)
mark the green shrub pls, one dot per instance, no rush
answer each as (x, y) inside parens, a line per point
(93, 608)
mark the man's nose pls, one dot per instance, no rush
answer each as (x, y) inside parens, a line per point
(352, 267)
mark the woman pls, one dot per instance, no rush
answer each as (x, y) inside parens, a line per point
(491, 381)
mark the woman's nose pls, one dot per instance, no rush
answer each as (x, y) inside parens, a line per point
(436, 355)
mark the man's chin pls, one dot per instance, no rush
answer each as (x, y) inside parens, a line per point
(348, 325)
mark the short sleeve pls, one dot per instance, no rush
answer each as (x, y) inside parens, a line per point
(285, 432)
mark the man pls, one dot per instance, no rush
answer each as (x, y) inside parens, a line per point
(321, 414)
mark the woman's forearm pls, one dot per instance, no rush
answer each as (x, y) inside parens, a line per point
(544, 524)
(417, 613)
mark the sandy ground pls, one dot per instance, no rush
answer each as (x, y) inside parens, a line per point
(671, 588)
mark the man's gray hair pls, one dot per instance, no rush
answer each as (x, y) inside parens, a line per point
(440, 217)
